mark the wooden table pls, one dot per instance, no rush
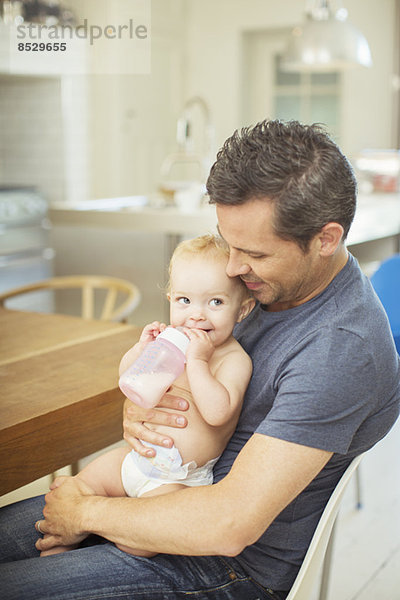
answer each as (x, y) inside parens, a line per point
(59, 395)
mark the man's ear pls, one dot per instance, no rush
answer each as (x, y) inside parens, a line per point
(246, 308)
(329, 238)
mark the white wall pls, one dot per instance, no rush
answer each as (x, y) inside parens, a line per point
(368, 94)
(31, 148)
(213, 46)
(43, 135)
(132, 122)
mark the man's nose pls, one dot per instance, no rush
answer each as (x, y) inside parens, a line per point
(236, 265)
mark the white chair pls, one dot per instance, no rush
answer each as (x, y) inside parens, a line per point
(319, 553)
(121, 297)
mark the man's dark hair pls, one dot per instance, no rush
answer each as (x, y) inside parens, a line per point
(297, 167)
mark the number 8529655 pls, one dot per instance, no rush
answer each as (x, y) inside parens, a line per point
(42, 46)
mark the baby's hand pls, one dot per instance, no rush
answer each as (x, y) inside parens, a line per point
(151, 331)
(200, 347)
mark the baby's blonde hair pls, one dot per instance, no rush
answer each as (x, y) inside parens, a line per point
(209, 245)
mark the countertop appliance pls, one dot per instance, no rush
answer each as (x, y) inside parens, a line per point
(25, 252)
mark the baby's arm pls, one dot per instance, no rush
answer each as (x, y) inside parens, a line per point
(149, 334)
(218, 396)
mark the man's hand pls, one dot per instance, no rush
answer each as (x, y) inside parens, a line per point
(136, 420)
(61, 523)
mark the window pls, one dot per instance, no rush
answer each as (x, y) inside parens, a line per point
(307, 97)
(269, 92)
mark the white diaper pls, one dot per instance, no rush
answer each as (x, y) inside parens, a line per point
(140, 474)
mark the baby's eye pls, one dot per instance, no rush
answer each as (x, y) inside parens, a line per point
(183, 300)
(216, 302)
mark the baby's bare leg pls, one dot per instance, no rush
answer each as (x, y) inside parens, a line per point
(103, 475)
(163, 489)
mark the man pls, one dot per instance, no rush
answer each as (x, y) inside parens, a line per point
(325, 388)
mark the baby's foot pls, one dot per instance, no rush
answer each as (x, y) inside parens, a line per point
(58, 550)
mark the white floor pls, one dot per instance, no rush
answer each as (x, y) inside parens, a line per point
(366, 559)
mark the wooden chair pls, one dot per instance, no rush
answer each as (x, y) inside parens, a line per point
(112, 308)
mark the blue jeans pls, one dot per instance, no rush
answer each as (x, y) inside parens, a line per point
(98, 570)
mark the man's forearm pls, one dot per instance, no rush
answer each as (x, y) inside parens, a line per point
(172, 523)
(217, 519)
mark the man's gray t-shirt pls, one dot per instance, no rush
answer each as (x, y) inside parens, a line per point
(326, 375)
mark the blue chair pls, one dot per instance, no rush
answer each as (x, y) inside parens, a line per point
(386, 282)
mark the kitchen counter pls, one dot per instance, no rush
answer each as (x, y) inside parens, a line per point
(377, 216)
(166, 220)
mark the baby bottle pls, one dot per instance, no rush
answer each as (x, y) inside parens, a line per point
(160, 363)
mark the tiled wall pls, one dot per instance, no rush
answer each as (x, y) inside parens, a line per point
(39, 143)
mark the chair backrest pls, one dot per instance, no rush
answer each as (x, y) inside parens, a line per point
(121, 296)
(310, 569)
(386, 282)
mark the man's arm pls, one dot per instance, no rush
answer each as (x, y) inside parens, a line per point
(266, 476)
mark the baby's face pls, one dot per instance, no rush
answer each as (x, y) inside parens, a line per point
(202, 296)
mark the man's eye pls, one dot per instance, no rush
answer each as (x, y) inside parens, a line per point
(183, 300)
(216, 302)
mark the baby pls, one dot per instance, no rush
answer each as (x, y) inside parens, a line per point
(207, 304)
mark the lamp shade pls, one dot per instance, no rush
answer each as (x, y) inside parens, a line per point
(325, 45)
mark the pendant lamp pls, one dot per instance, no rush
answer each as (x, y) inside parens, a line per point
(326, 41)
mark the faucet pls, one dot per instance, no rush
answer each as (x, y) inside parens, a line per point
(191, 163)
(187, 153)
(184, 126)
